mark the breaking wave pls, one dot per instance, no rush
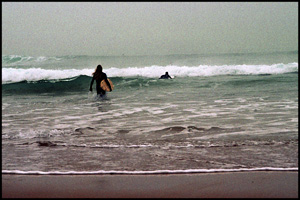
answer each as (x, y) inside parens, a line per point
(12, 75)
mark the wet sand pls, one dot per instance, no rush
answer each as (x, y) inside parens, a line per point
(266, 184)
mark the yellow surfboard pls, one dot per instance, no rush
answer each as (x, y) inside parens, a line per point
(105, 87)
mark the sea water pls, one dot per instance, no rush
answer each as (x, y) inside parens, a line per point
(220, 112)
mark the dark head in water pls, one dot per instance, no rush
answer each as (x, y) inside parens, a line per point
(165, 76)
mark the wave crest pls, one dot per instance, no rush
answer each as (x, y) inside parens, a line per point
(10, 75)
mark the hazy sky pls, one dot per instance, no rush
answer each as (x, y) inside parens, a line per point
(147, 28)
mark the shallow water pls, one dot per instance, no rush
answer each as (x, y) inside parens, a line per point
(223, 120)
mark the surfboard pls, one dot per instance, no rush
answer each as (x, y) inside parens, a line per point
(105, 87)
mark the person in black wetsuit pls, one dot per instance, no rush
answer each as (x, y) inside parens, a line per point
(98, 75)
(165, 76)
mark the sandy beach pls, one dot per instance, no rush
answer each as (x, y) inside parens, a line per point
(204, 185)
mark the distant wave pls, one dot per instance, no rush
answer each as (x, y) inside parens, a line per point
(8, 60)
(11, 60)
(145, 172)
(22, 59)
(12, 75)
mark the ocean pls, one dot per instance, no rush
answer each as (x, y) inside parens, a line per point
(220, 112)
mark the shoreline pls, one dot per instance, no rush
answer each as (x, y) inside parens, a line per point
(251, 184)
(154, 172)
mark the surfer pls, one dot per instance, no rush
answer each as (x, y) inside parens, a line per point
(98, 75)
(165, 76)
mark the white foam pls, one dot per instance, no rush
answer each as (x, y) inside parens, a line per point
(204, 70)
(35, 74)
(103, 172)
